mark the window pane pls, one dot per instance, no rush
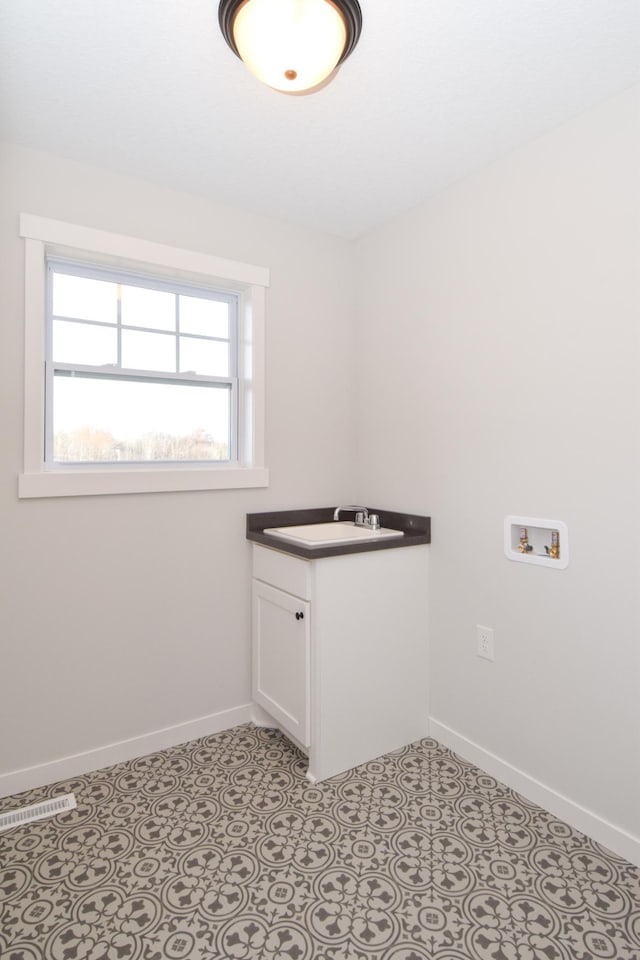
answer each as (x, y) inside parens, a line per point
(209, 318)
(84, 343)
(148, 351)
(100, 419)
(84, 299)
(141, 307)
(209, 358)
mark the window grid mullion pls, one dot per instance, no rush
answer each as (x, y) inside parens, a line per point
(177, 300)
(114, 372)
(234, 412)
(233, 339)
(130, 326)
(119, 326)
(48, 372)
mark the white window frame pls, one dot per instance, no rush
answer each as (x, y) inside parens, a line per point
(44, 237)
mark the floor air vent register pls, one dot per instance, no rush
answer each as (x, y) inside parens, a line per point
(38, 811)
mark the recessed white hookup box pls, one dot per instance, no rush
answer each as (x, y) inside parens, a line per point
(533, 540)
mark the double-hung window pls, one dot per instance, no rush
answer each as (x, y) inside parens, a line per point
(152, 365)
(138, 370)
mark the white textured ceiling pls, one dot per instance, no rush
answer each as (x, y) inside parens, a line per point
(433, 91)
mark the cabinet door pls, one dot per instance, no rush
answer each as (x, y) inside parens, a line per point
(281, 651)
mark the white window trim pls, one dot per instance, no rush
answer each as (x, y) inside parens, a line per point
(42, 236)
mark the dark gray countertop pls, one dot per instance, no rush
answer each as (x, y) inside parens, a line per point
(416, 530)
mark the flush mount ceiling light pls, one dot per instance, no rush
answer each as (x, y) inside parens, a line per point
(291, 45)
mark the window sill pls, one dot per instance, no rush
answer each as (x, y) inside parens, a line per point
(80, 483)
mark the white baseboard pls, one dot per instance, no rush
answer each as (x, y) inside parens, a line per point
(73, 766)
(261, 718)
(616, 839)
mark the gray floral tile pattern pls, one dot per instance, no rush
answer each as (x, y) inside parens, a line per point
(220, 850)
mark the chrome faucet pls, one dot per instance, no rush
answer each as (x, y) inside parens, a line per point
(362, 518)
(361, 513)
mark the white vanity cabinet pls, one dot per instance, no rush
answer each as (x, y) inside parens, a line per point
(281, 668)
(340, 651)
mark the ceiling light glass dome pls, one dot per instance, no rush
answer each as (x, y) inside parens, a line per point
(291, 45)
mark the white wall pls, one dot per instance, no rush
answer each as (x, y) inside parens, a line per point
(498, 331)
(127, 614)
(497, 336)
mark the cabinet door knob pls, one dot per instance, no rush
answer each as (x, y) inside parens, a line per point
(299, 615)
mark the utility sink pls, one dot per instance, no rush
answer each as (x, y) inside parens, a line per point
(331, 533)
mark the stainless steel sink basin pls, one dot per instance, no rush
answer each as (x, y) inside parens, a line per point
(330, 534)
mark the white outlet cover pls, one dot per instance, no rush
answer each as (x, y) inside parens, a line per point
(485, 648)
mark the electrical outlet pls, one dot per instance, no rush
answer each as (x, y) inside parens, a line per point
(484, 636)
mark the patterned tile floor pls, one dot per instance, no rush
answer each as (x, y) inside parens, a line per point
(220, 850)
